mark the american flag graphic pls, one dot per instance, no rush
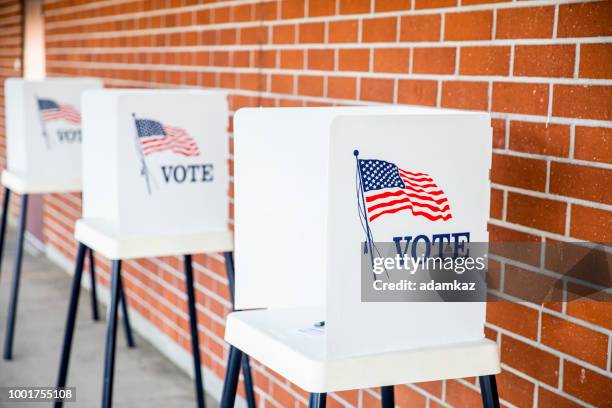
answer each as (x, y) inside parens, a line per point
(51, 110)
(387, 189)
(155, 137)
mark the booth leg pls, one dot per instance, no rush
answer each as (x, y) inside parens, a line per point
(193, 324)
(5, 204)
(387, 396)
(488, 389)
(75, 290)
(12, 312)
(129, 337)
(111, 336)
(95, 315)
(230, 384)
(317, 400)
(246, 366)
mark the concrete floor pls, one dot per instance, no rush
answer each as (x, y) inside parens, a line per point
(143, 376)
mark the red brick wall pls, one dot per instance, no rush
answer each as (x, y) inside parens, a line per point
(542, 68)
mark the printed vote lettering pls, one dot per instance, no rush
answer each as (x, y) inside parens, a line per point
(191, 173)
(69, 135)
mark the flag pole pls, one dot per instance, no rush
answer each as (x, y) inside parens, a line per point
(42, 124)
(144, 170)
(369, 239)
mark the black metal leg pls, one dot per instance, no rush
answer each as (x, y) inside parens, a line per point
(12, 312)
(5, 204)
(230, 384)
(111, 336)
(70, 320)
(387, 396)
(248, 381)
(488, 389)
(246, 366)
(94, 293)
(129, 337)
(193, 325)
(317, 400)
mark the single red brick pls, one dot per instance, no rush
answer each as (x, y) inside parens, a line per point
(311, 33)
(575, 340)
(341, 87)
(292, 59)
(391, 5)
(283, 34)
(499, 133)
(585, 19)
(434, 60)
(420, 28)
(242, 12)
(379, 29)
(584, 182)
(544, 60)
(427, 4)
(539, 213)
(514, 317)
(532, 361)
(525, 22)
(531, 99)
(497, 203)
(391, 60)
(417, 92)
(407, 397)
(540, 138)
(583, 101)
(473, 25)
(484, 61)
(282, 84)
(590, 309)
(377, 90)
(343, 31)
(519, 172)
(547, 399)
(318, 8)
(595, 61)
(465, 95)
(354, 6)
(254, 35)
(459, 395)
(593, 144)
(292, 9)
(591, 224)
(265, 59)
(587, 385)
(515, 389)
(321, 59)
(354, 59)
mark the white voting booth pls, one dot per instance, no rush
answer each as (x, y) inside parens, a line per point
(299, 234)
(155, 162)
(43, 133)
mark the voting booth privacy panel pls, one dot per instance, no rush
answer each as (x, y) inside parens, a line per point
(43, 128)
(155, 161)
(300, 219)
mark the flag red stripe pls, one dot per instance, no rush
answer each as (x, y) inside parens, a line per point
(407, 200)
(400, 192)
(409, 206)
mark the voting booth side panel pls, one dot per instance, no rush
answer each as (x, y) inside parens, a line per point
(52, 127)
(173, 163)
(15, 126)
(453, 150)
(100, 152)
(280, 206)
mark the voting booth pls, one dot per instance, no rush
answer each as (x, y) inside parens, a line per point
(43, 131)
(313, 186)
(43, 148)
(155, 183)
(155, 161)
